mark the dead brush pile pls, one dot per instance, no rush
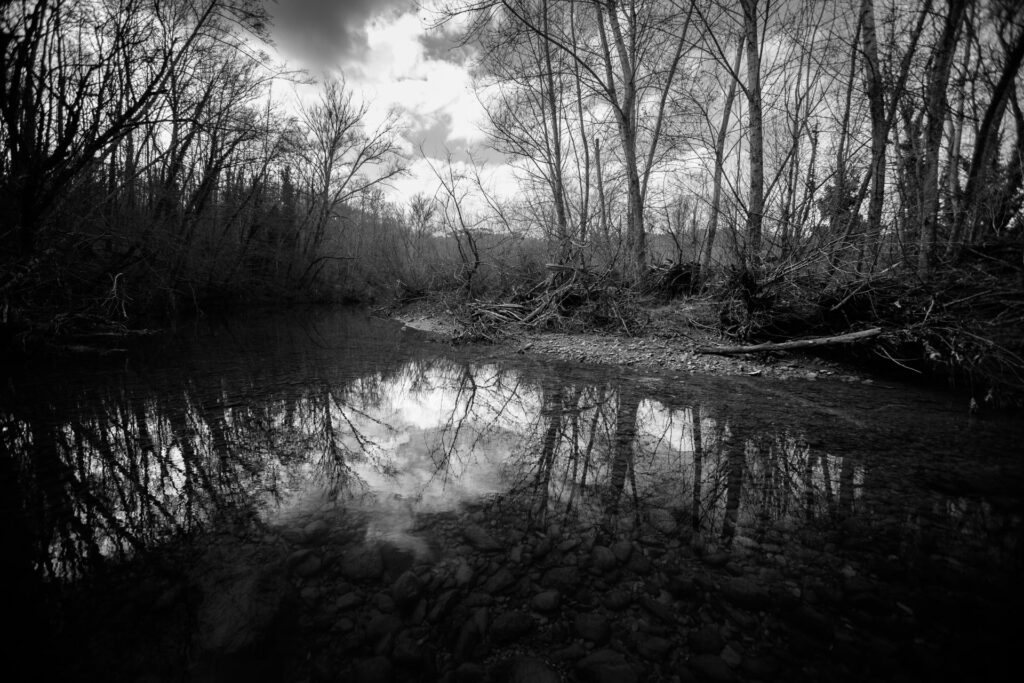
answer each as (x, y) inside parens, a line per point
(965, 326)
(569, 298)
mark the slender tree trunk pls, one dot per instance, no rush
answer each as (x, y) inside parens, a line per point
(987, 139)
(879, 132)
(557, 182)
(716, 186)
(937, 104)
(755, 207)
(624, 110)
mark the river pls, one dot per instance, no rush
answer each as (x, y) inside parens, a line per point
(321, 495)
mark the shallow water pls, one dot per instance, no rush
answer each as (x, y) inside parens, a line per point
(240, 480)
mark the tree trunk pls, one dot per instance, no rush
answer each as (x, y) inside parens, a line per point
(937, 104)
(755, 207)
(879, 133)
(716, 186)
(624, 110)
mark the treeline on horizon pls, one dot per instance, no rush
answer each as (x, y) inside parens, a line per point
(148, 164)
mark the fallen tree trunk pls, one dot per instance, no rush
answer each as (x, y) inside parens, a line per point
(796, 344)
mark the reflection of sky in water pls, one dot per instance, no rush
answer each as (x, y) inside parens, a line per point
(431, 440)
(137, 464)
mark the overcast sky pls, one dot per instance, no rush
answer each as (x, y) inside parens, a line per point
(390, 55)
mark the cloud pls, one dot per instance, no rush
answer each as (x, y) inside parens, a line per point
(322, 33)
(395, 61)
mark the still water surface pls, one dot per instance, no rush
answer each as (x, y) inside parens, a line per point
(276, 421)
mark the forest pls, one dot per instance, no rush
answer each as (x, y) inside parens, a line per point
(807, 166)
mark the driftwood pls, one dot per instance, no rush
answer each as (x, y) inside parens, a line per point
(796, 344)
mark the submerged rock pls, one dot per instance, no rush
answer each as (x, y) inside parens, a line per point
(662, 520)
(407, 589)
(602, 558)
(562, 578)
(712, 668)
(478, 537)
(593, 627)
(510, 626)
(240, 610)
(546, 601)
(745, 593)
(607, 666)
(498, 582)
(373, 670)
(530, 670)
(362, 564)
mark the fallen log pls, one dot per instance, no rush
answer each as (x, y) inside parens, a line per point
(796, 344)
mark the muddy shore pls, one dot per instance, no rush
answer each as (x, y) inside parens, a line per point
(669, 343)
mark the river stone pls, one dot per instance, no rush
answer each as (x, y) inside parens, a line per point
(406, 589)
(443, 605)
(408, 651)
(463, 574)
(563, 578)
(499, 582)
(315, 530)
(607, 666)
(468, 672)
(511, 626)
(546, 601)
(572, 652)
(811, 621)
(745, 593)
(764, 668)
(362, 564)
(658, 608)
(384, 602)
(618, 600)
(396, 560)
(638, 564)
(348, 601)
(662, 520)
(480, 539)
(382, 625)
(730, 656)
(707, 640)
(531, 670)
(654, 648)
(602, 558)
(713, 668)
(716, 559)
(477, 599)
(682, 587)
(593, 627)
(469, 644)
(622, 550)
(373, 670)
(239, 610)
(305, 566)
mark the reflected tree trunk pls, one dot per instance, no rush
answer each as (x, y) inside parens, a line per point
(625, 432)
(846, 486)
(698, 467)
(734, 485)
(552, 412)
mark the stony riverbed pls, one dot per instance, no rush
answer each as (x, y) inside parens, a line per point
(348, 501)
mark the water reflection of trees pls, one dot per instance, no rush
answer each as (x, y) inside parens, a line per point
(120, 465)
(603, 451)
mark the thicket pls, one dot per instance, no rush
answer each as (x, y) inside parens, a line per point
(810, 167)
(818, 166)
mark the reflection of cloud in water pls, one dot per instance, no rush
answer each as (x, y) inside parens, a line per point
(432, 440)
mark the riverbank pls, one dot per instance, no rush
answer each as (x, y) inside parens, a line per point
(669, 342)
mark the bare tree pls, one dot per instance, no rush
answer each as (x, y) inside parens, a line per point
(342, 158)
